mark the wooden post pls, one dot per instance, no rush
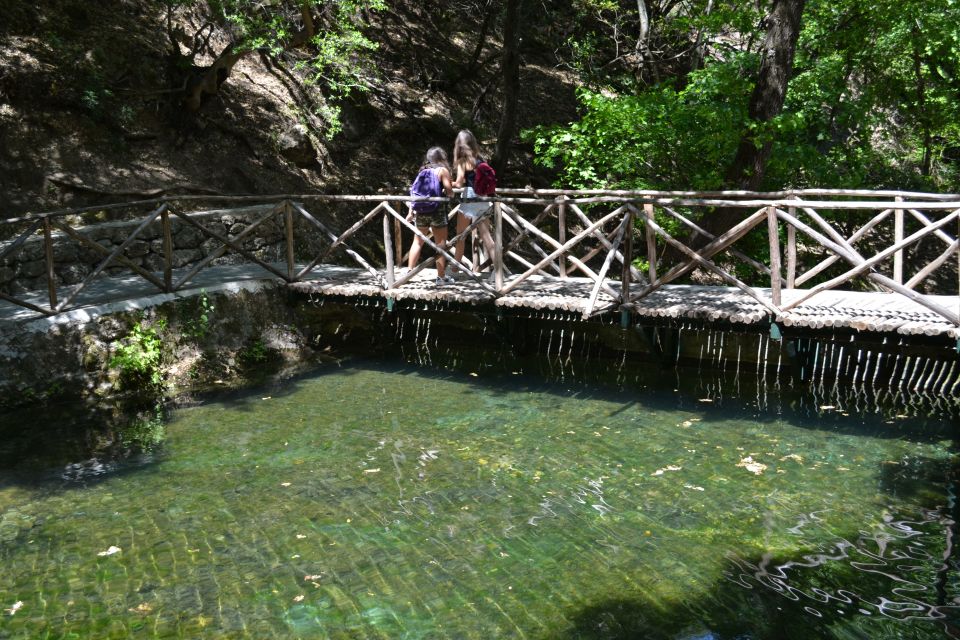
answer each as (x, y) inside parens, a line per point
(791, 252)
(48, 247)
(498, 245)
(897, 237)
(167, 251)
(625, 276)
(774, 236)
(388, 249)
(562, 233)
(651, 242)
(397, 232)
(288, 224)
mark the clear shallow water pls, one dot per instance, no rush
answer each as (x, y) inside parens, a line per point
(382, 502)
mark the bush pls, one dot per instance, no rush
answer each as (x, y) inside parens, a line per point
(139, 355)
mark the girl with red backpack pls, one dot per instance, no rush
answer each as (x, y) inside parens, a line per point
(432, 181)
(466, 158)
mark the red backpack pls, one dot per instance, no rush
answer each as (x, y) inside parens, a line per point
(484, 180)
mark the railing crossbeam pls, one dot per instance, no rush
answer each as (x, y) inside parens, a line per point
(704, 261)
(853, 239)
(16, 244)
(333, 237)
(861, 265)
(614, 249)
(219, 251)
(432, 259)
(562, 249)
(111, 257)
(605, 242)
(706, 252)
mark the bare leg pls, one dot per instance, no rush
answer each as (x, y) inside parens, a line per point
(462, 223)
(487, 239)
(416, 247)
(440, 237)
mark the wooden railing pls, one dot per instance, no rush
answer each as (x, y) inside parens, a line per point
(815, 239)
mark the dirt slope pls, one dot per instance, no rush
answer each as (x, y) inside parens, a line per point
(87, 115)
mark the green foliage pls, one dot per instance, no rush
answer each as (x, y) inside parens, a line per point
(197, 327)
(872, 102)
(659, 138)
(139, 355)
(255, 353)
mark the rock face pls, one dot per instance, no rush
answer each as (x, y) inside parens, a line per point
(203, 336)
(295, 145)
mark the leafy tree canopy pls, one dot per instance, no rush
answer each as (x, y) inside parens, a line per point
(872, 101)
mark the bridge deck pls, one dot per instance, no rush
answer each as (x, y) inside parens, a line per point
(875, 312)
(862, 311)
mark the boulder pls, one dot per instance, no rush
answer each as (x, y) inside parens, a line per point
(295, 146)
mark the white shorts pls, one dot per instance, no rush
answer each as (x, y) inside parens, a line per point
(472, 210)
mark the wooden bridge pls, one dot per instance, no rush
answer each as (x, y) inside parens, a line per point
(877, 261)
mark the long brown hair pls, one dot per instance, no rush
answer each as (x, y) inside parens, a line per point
(466, 150)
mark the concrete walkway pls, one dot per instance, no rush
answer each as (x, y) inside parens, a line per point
(131, 292)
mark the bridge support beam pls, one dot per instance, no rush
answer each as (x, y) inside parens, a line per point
(664, 343)
(802, 354)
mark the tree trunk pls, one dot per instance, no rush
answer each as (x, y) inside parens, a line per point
(510, 72)
(207, 81)
(776, 64)
(699, 49)
(922, 103)
(747, 169)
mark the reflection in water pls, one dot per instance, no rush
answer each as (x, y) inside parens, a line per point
(78, 444)
(890, 571)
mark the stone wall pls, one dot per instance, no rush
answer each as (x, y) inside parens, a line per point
(25, 269)
(68, 356)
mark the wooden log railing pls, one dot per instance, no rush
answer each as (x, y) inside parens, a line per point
(627, 244)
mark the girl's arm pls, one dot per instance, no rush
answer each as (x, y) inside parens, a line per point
(461, 177)
(445, 180)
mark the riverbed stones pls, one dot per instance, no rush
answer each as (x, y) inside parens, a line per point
(13, 522)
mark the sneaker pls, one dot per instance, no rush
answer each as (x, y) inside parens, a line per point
(445, 280)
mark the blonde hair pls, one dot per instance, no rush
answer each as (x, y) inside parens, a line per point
(466, 150)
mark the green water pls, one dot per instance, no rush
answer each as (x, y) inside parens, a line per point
(370, 501)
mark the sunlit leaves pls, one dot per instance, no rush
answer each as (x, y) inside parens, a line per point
(660, 138)
(873, 100)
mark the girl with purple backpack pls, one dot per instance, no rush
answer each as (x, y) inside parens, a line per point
(432, 181)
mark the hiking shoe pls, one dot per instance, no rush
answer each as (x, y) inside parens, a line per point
(445, 280)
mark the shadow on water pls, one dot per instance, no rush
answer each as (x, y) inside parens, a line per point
(897, 579)
(79, 444)
(61, 445)
(763, 598)
(83, 444)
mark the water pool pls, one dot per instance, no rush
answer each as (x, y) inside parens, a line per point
(368, 500)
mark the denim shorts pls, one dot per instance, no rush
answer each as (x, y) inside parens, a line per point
(472, 210)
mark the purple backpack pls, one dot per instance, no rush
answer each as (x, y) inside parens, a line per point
(426, 185)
